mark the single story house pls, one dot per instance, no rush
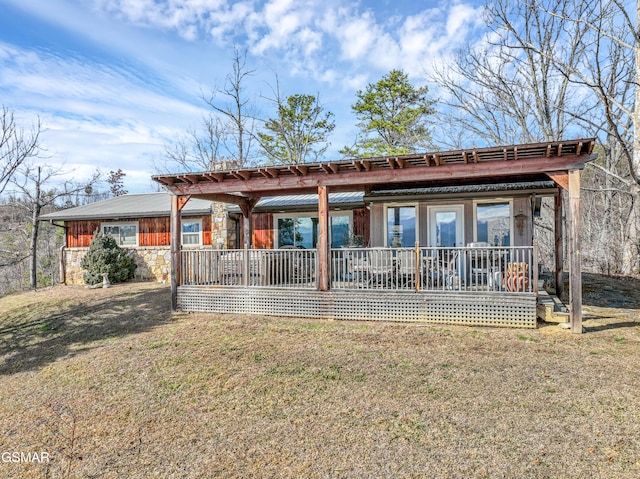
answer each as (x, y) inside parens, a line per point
(141, 222)
(435, 237)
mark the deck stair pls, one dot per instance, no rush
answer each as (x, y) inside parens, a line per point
(550, 309)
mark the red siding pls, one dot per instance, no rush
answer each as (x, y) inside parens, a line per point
(80, 233)
(361, 224)
(263, 231)
(154, 231)
(151, 231)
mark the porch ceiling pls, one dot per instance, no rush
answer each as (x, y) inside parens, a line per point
(483, 165)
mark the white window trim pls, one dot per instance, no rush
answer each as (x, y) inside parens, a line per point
(310, 214)
(182, 233)
(432, 210)
(120, 224)
(493, 201)
(386, 222)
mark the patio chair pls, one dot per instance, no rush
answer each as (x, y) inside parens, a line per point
(381, 268)
(480, 272)
(231, 266)
(405, 273)
(358, 268)
(449, 272)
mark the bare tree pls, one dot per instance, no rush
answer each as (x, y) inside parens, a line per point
(557, 68)
(225, 136)
(505, 92)
(236, 112)
(610, 72)
(199, 149)
(32, 182)
(16, 145)
(116, 182)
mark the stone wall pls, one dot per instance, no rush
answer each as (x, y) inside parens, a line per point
(154, 263)
(223, 228)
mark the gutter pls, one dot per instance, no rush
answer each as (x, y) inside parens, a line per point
(63, 250)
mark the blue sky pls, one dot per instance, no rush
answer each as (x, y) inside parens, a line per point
(114, 80)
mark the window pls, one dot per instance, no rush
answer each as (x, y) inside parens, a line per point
(301, 231)
(191, 232)
(401, 226)
(126, 234)
(339, 231)
(493, 223)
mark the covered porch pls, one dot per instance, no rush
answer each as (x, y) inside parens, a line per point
(476, 283)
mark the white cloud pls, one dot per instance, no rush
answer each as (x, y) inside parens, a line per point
(92, 115)
(169, 51)
(356, 35)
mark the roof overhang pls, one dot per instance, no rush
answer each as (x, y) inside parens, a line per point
(479, 166)
(512, 189)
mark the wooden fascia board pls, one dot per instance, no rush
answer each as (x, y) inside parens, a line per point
(561, 178)
(182, 201)
(225, 198)
(357, 180)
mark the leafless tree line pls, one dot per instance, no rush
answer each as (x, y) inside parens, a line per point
(552, 69)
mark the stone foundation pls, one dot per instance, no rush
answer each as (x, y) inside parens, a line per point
(154, 264)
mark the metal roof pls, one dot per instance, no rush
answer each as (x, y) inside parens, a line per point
(300, 202)
(144, 205)
(548, 187)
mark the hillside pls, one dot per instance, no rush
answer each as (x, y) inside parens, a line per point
(110, 384)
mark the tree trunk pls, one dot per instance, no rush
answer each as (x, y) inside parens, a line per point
(33, 246)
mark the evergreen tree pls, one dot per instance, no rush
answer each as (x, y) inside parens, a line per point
(392, 117)
(105, 256)
(300, 131)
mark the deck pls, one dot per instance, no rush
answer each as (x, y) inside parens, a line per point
(474, 285)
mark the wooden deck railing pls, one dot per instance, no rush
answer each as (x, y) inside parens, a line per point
(511, 269)
(287, 268)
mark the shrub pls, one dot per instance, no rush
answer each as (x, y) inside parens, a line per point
(105, 256)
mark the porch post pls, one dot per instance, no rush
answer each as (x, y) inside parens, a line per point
(575, 273)
(559, 254)
(323, 239)
(247, 226)
(177, 203)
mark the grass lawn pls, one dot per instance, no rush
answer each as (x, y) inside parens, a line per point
(109, 384)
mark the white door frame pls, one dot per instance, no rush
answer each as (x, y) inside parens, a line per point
(458, 210)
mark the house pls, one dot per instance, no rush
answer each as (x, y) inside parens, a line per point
(141, 222)
(438, 237)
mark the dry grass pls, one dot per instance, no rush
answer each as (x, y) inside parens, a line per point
(112, 385)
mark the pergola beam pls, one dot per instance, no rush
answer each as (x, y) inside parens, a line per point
(357, 180)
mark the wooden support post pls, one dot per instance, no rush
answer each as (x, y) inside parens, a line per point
(575, 272)
(534, 274)
(417, 266)
(245, 263)
(559, 240)
(176, 240)
(247, 226)
(324, 255)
